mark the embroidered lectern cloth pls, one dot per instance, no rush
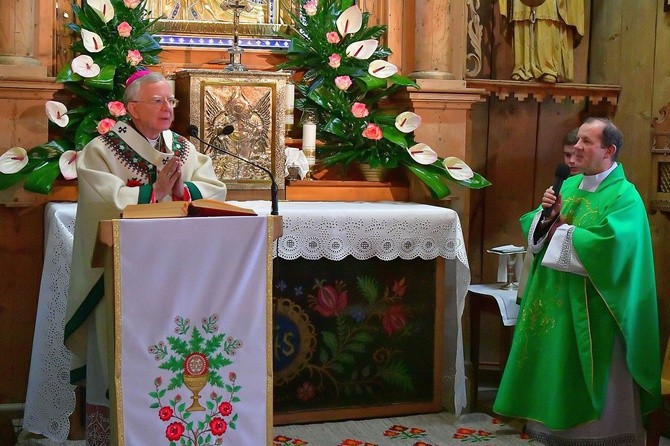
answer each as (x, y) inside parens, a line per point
(192, 339)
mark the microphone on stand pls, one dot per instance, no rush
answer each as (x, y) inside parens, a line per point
(192, 130)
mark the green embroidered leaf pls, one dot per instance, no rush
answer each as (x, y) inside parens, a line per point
(213, 344)
(356, 347)
(154, 406)
(368, 288)
(329, 340)
(173, 364)
(179, 346)
(197, 341)
(236, 399)
(219, 361)
(345, 358)
(397, 374)
(181, 408)
(215, 379)
(176, 382)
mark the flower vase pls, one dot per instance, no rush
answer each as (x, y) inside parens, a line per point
(378, 173)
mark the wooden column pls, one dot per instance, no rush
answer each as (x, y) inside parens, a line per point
(445, 107)
(439, 39)
(26, 38)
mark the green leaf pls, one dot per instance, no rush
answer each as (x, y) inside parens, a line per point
(10, 179)
(432, 179)
(104, 80)
(372, 82)
(87, 131)
(394, 135)
(41, 180)
(399, 79)
(67, 75)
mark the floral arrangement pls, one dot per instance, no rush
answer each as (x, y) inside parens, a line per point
(345, 78)
(115, 42)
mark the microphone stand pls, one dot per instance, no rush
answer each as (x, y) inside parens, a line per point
(193, 131)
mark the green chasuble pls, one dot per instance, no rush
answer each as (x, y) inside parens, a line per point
(559, 363)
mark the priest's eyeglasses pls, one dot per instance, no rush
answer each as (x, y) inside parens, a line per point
(158, 101)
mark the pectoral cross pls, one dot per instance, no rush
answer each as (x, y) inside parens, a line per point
(236, 52)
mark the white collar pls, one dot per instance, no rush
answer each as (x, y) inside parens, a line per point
(591, 182)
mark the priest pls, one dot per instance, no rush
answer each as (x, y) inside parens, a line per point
(137, 162)
(585, 359)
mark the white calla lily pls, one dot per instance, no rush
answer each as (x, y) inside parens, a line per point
(382, 69)
(362, 49)
(422, 153)
(350, 21)
(13, 160)
(407, 121)
(68, 164)
(92, 41)
(457, 168)
(57, 113)
(84, 66)
(104, 9)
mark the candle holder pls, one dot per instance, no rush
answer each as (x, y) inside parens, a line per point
(236, 51)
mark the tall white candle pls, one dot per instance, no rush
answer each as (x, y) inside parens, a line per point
(309, 142)
(290, 104)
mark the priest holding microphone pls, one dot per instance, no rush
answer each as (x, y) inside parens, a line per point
(584, 366)
(132, 163)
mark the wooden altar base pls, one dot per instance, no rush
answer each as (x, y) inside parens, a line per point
(329, 190)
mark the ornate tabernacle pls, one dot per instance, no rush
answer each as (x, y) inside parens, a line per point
(254, 103)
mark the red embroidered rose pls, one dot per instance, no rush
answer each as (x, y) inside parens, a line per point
(165, 413)
(394, 319)
(306, 392)
(218, 426)
(174, 431)
(329, 301)
(225, 408)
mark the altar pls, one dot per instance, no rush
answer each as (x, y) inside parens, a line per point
(358, 288)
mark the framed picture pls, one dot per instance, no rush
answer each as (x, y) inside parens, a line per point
(258, 18)
(249, 102)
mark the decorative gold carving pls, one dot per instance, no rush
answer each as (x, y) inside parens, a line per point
(660, 162)
(254, 103)
(475, 37)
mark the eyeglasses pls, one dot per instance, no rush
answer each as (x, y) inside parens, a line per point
(158, 101)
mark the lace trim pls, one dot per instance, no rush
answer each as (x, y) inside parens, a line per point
(565, 258)
(97, 425)
(554, 440)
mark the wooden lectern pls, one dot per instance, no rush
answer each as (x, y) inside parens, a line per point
(191, 303)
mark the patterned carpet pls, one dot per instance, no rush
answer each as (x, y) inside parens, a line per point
(419, 430)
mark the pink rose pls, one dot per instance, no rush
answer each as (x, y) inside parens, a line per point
(334, 60)
(116, 108)
(372, 131)
(124, 29)
(132, 4)
(134, 57)
(105, 125)
(343, 82)
(359, 110)
(310, 8)
(333, 37)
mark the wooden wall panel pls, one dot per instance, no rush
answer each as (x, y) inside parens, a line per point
(511, 168)
(21, 240)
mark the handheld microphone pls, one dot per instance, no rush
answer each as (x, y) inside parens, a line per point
(562, 173)
(192, 130)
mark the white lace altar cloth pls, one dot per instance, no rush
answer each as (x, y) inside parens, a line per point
(50, 398)
(311, 230)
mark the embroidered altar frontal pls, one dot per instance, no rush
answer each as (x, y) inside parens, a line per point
(352, 335)
(191, 331)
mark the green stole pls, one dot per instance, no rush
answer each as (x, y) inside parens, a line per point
(559, 364)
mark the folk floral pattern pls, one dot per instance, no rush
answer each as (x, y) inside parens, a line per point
(372, 326)
(194, 359)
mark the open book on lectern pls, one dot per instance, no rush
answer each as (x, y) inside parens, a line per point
(196, 208)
